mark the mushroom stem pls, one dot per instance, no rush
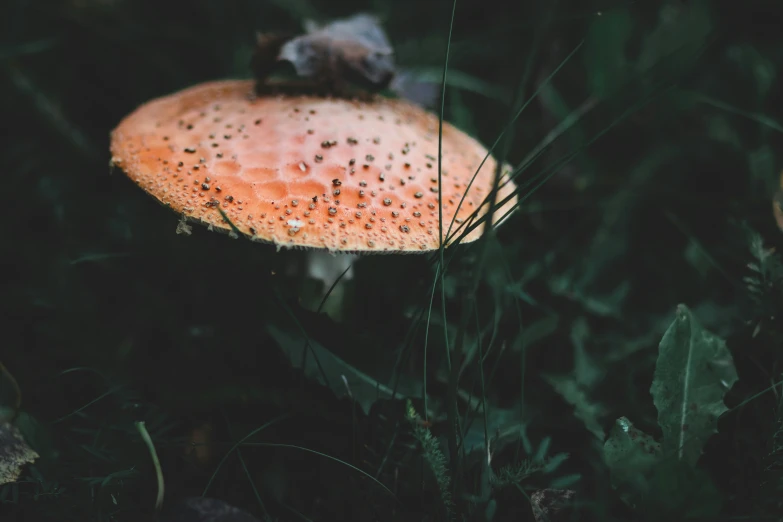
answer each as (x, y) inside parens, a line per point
(327, 267)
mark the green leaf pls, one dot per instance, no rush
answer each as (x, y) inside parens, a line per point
(753, 64)
(659, 488)
(433, 455)
(461, 80)
(587, 371)
(692, 375)
(719, 129)
(537, 331)
(344, 380)
(604, 53)
(461, 115)
(576, 388)
(763, 168)
(680, 492)
(677, 39)
(631, 456)
(697, 258)
(10, 396)
(37, 435)
(505, 426)
(18, 50)
(585, 409)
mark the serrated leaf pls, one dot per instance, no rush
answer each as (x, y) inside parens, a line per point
(657, 487)
(577, 387)
(692, 375)
(585, 409)
(631, 456)
(587, 371)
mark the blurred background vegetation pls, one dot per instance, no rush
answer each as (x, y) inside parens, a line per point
(656, 127)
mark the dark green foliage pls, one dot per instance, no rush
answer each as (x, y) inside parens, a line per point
(433, 455)
(693, 372)
(648, 158)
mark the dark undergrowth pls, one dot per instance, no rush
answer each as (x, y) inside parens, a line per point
(615, 345)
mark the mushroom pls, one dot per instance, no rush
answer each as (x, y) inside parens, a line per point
(298, 171)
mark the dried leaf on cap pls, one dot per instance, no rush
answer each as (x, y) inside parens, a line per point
(350, 50)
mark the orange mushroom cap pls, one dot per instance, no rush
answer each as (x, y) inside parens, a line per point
(305, 171)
